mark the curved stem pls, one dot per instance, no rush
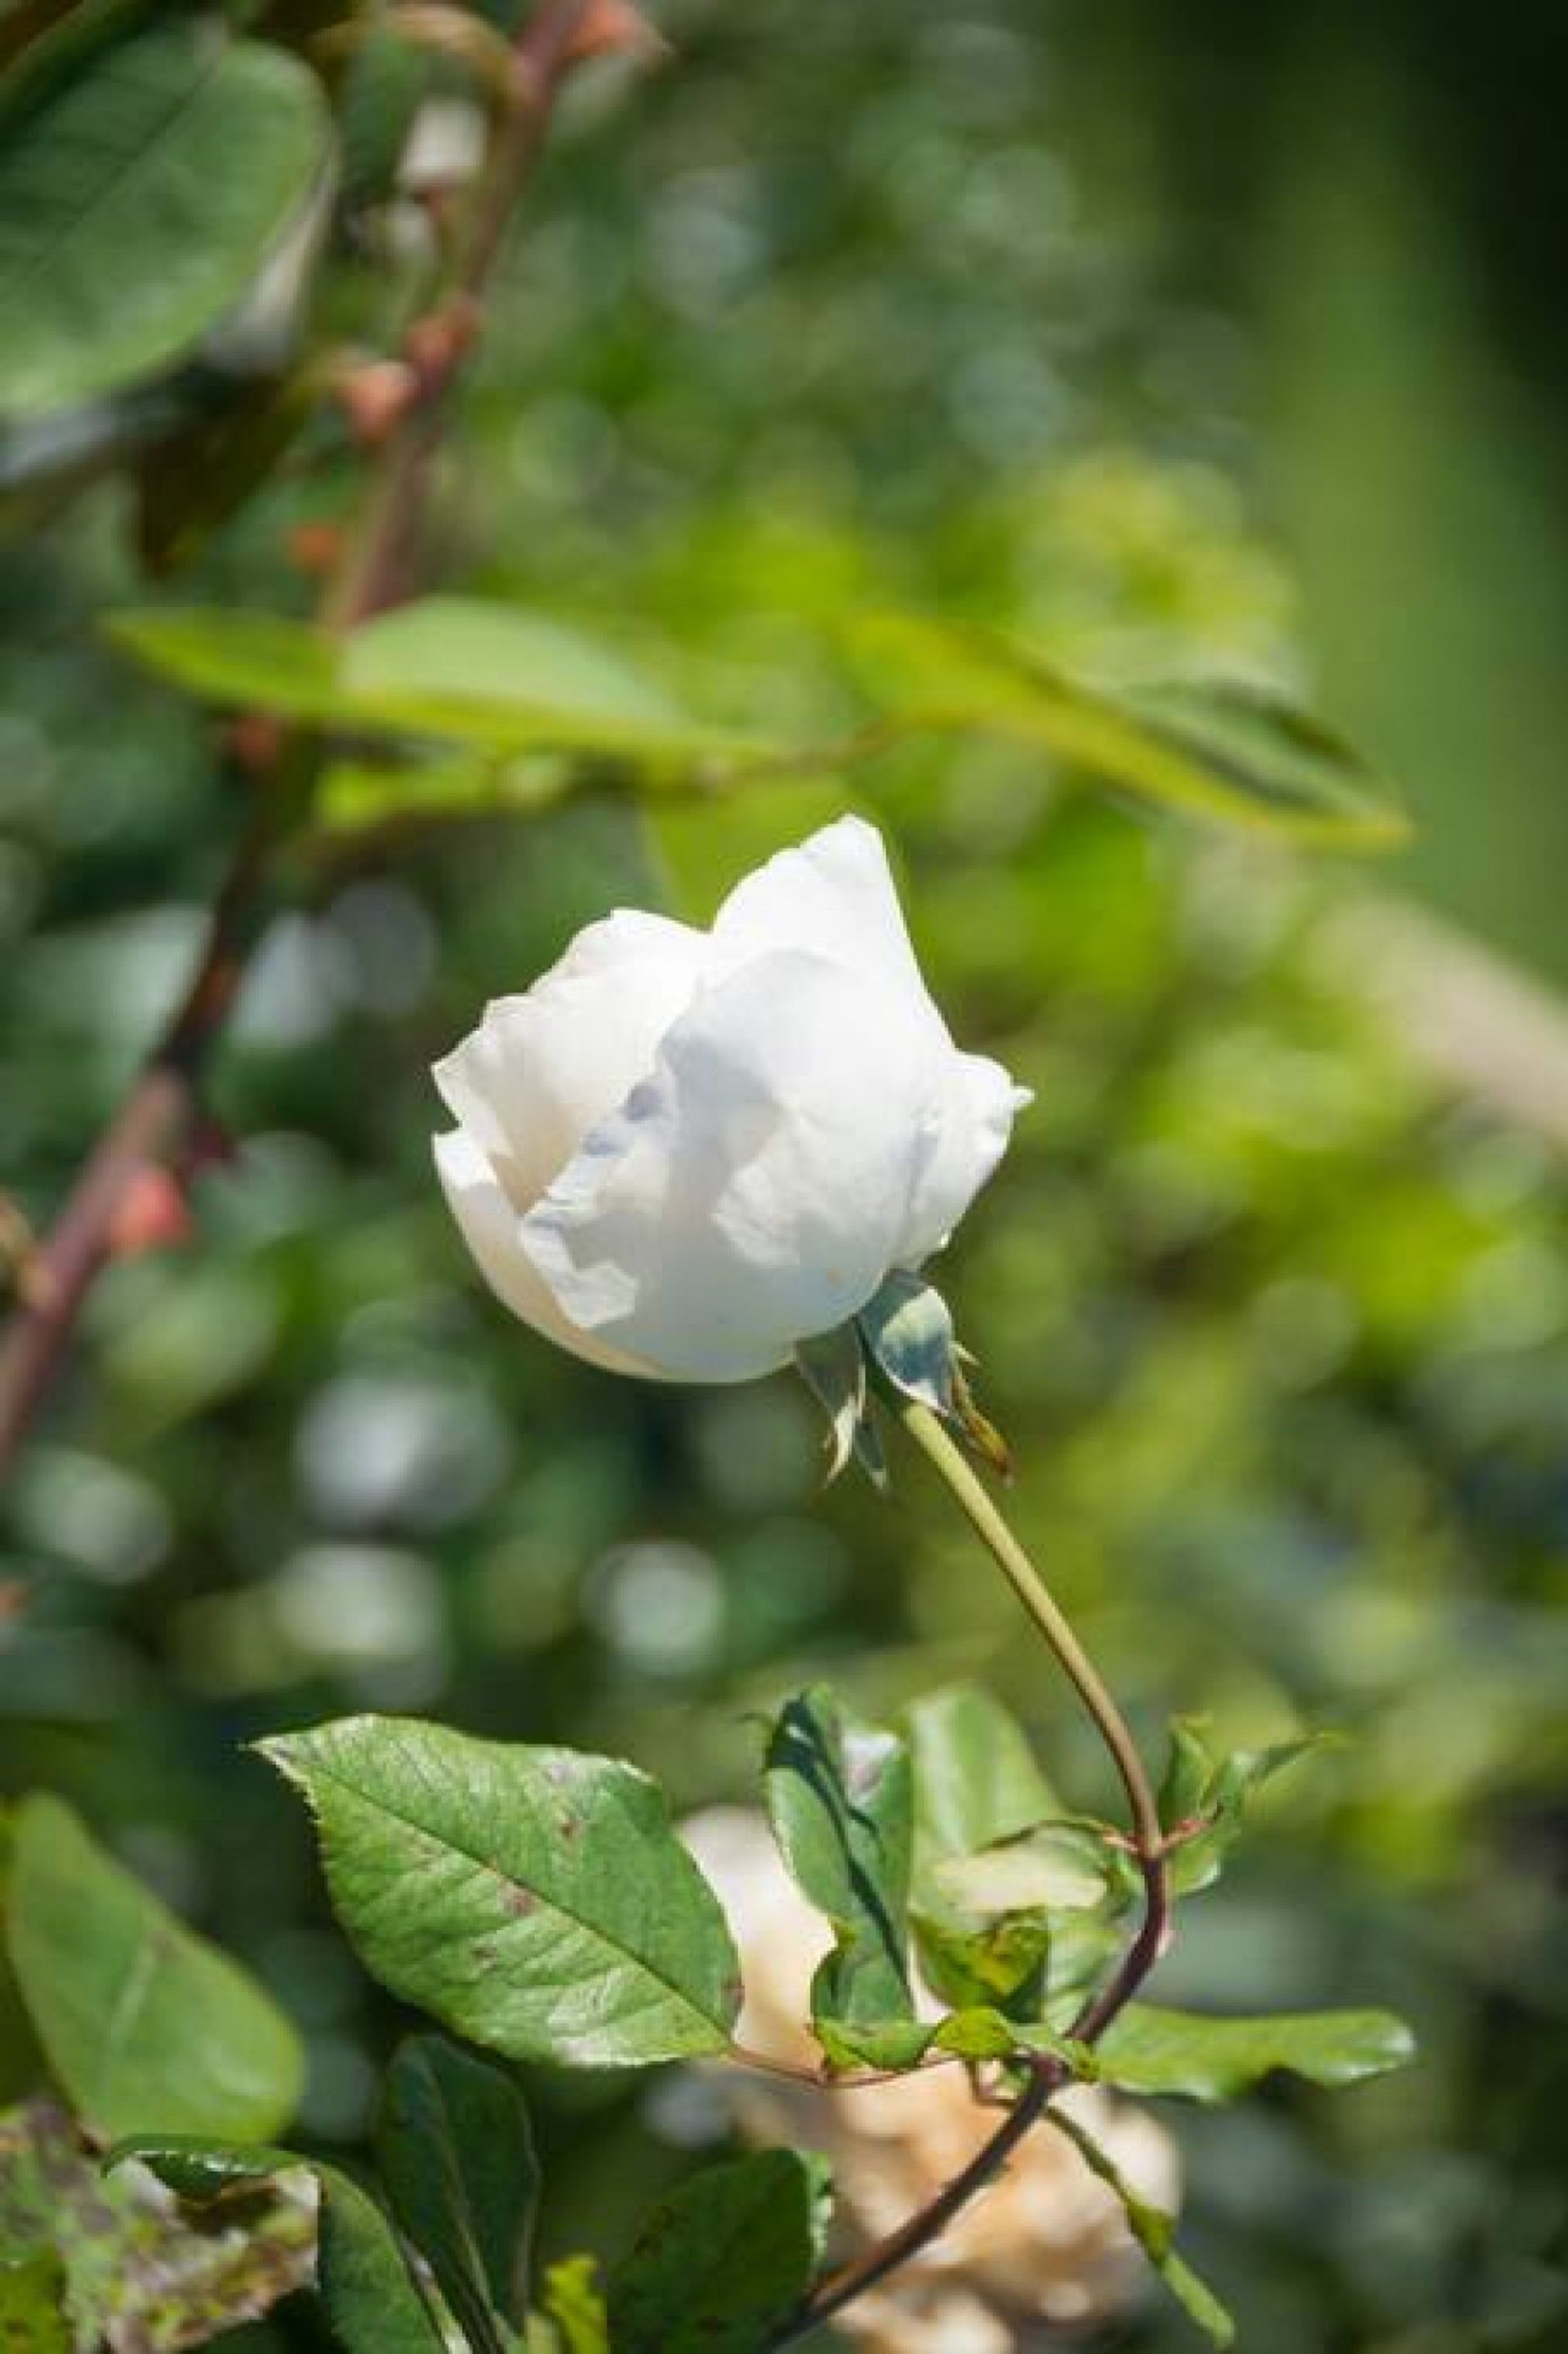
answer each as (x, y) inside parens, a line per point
(1045, 2076)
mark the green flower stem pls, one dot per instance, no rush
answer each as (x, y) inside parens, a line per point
(943, 1452)
(1047, 2075)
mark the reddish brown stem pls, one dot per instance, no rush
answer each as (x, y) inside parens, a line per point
(161, 1107)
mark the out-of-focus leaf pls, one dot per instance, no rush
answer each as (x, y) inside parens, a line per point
(148, 2027)
(456, 2158)
(33, 2316)
(496, 677)
(363, 2279)
(1205, 1796)
(1233, 750)
(535, 1900)
(839, 1797)
(1155, 2232)
(1150, 2049)
(114, 2249)
(574, 2320)
(976, 1779)
(126, 232)
(724, 2259)
(357, 795)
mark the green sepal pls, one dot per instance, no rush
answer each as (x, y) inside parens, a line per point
(833, 1366)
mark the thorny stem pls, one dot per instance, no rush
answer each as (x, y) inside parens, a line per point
(158, 1112)
(1045, 2076)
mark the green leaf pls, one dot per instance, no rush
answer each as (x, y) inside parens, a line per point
(455, 2153)
(1056, 1864)
(133, 2270)
(33, 2318)
(126, 232)
(1212, 1792)
(1235, 751)
(496, 678)
(354, 795)
(984, 2033)
(1150, 2050)
(976, 1785)
(535, 1901)
(838, 1798)
(573, 2313)
(976, 1779)
(723, 2260)
(148, 2027)
(363, 2279)
(1155, 2232)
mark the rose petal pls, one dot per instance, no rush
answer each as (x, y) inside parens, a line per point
(754, 1189)
(489, 1225)
(540, 1069)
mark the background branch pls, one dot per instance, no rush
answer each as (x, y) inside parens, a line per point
(157, 1114)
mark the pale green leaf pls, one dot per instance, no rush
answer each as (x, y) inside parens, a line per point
(148, 2027)
(535, 1900)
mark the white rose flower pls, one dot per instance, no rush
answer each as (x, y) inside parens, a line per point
(682, 1152)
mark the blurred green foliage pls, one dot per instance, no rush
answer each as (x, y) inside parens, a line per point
(849, 307)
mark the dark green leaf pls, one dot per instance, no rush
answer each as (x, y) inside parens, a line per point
(148, 2027)
(724, 2259)
(1235, 751)
(1150, 2050)
(363, 2279)
(456, 2159)
(1155, 2232)
(135, 2271)
(535, 1900)
(126, 234)
(838, 1798)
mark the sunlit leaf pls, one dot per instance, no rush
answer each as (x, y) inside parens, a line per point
(126, 232)
(148, 2027)
(1150, 2049)
(495, 678)
(839, 1797)
(722, 2259)
(535, 1900)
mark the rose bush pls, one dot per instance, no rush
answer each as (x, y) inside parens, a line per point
(683, 1152)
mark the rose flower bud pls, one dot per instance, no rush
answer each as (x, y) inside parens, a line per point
(683, 1152)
